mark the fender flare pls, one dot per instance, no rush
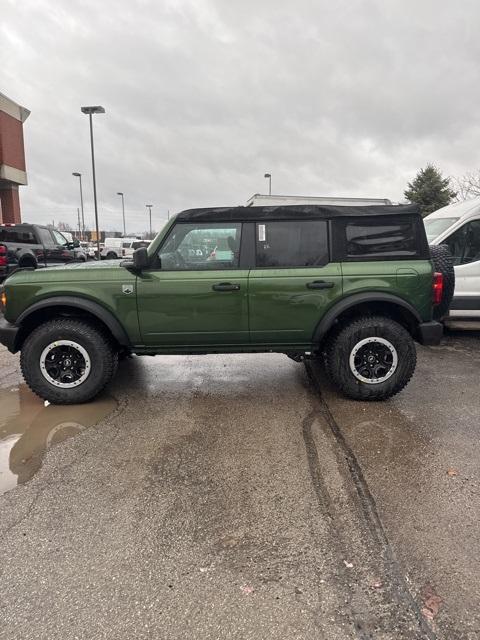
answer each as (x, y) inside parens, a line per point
(355, 299)
(26, 253)
(84, 304)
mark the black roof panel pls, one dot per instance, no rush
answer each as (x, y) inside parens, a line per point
(286, 212)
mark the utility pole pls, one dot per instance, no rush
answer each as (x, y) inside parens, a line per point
(269, 176)
(90, 111)
(79, 176)
(149, 207)
(119, 193)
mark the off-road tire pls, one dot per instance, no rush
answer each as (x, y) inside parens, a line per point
(341, 344)
(443, 262)
(102, 354)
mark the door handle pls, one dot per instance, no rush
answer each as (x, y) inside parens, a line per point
(320, 284)
(226, 286)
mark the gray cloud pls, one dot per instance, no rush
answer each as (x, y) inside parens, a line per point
(204, 96)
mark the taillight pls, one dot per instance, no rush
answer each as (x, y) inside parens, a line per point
(3, 255)
(437, 287)
(3, 299)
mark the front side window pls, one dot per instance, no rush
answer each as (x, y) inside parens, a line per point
(209, 246)
(464, 244)
(292, 243)
(380, 239)
(59, 238)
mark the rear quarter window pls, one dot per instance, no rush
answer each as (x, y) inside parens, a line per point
(383, 239)
(20, 235)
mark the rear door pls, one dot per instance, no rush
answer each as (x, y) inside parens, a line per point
(293, 282)
(195, 292)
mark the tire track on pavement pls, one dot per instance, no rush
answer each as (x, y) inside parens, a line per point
(389, 566)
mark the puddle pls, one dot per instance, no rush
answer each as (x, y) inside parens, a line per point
(28, 429)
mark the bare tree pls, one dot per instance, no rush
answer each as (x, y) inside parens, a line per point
(64, 226)
(467, 186)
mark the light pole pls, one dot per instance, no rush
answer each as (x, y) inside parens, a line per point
(90, 111)
(269, 176)
(79, 176)
(149, 207)
(119, 193)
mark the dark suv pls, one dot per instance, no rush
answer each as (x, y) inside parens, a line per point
(33, 246)
(353, 284)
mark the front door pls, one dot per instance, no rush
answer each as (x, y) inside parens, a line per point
(293, 282)
(194, 293)
(464, 245)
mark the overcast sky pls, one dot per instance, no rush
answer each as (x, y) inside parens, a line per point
(202, 97)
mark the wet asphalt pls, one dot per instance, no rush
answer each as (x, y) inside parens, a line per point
(240, 497)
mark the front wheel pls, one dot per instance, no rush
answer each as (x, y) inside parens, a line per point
(371, 358)
(67, 361)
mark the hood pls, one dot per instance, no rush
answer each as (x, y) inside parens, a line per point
(73, 271)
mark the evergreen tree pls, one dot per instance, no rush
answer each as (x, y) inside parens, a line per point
(430, 190)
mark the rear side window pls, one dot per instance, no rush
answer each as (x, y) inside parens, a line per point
(45, 237)
(292, 243)
(381, 239)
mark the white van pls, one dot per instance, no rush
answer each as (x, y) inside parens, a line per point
(458, 226)
(121, 247)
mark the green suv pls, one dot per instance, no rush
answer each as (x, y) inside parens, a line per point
(354, 286)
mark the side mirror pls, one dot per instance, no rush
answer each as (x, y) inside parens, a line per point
(76, 243)
(140, 258)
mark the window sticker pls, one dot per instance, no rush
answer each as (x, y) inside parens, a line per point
(261, 233)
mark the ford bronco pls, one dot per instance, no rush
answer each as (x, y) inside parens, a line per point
(354, 286)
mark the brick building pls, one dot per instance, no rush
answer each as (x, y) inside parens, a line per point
(12, 158)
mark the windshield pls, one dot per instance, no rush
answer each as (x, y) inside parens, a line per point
(436, 226)
(59, 237)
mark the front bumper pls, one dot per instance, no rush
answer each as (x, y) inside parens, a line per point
(430, 333)
(8, 334)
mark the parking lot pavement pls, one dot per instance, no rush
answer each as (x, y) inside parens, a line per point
(225, 497)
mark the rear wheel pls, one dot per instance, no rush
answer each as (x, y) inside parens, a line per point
(67, 361)
(371, 358)
(111, 256)
(27, 263)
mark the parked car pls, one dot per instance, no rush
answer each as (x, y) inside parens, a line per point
(34, 246)
(89, 249)
(78, 250)
(458, 227)
(115, 248)
(355, 285)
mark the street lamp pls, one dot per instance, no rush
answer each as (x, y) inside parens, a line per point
(119, 193)
(269, 176)
(79, 176)
(90, 111)
(149, 207)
